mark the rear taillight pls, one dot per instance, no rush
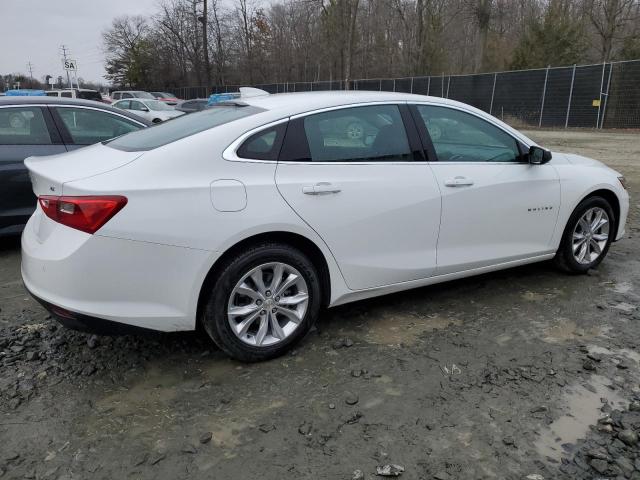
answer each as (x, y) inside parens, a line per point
(82, 213)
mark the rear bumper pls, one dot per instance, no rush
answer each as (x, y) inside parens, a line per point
(85, 323)
(101, 279)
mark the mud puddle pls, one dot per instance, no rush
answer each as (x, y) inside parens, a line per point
(583, 402)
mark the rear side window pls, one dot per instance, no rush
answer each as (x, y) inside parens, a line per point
(358, 134)
(88, 126)
(181, 127)
(52, 94)
(264, 145)
(23, 126)
(66, 94)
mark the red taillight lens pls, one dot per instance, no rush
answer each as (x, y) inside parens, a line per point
(88, 214)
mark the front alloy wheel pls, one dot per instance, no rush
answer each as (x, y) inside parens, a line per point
(587, 236)
(590, 235)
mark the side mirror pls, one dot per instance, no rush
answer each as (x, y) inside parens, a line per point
(144, 109)
(538, 155)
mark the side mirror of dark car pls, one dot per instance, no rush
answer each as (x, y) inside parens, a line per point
(538, 155)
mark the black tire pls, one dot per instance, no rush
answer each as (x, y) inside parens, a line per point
(156, 120)
(214, 315)
(564, 258)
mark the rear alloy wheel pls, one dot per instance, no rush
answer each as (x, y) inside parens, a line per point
(263, 302)
(587, 237)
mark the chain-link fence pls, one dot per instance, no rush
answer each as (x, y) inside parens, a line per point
(597, 96)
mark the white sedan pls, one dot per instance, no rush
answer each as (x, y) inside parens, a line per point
(153, 110)
(249, 217)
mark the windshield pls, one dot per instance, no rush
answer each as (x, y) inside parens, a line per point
(157, 105)
(143, 95)
(180, 127)
(89, 95)
(163, 95)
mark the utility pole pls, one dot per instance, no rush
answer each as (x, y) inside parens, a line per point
(30, 68)
(205, 43)
(64, 57)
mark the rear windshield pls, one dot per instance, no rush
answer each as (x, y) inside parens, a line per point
(89, 95)
(181, 127)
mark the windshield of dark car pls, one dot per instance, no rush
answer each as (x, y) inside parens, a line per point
(143, 95)
(181, 127)
(89, 95)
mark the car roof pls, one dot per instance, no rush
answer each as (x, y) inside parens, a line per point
(43, 100)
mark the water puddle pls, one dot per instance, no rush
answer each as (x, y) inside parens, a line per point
(564, 329)
(396, 329)
(583, 404)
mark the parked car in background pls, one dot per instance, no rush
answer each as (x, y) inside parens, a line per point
(153, 110)
(121, 94)
(81, 93)
(250, 216)
(167, 98)
(194, 105)
(35, 126)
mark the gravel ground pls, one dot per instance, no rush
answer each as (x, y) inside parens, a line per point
(521, 374)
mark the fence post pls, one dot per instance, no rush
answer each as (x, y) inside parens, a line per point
(573, 76)
(394, 84)
(606, 96)
(442, 85)
(604, 64)
(411, 85)
(380, 85)
(428, 84)
(448, 83)
(493, 92)
(544, 93)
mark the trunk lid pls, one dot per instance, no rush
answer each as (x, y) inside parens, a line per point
(49, 174)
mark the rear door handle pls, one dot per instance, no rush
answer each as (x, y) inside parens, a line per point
(321, 188)
(458, 181)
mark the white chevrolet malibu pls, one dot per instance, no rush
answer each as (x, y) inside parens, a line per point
(250, 217)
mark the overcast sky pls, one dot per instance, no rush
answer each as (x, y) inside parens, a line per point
(33, 30)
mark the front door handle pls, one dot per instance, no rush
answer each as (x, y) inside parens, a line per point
(458, 181)
(321, 188)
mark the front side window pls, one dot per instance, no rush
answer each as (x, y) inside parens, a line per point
(373, 133)
(135, 105)
(181, 127)
(462, 137)
(264, 145)
(23, 126)
(66, 94)
(124, 104)
(88, 126)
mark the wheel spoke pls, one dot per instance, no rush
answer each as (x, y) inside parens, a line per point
(290, 314)
(290, 280)
(578, 244)
(584, 224)
(247, 291)
(258, 280)
(583, 251)
(296, 299)
(242, 311)
(276, 329)
(595, 246)
(600, 237)
(595, 220)
(243, 326)
(278, 270)
(262, 330)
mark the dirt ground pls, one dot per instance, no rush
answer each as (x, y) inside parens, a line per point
(522, 374)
